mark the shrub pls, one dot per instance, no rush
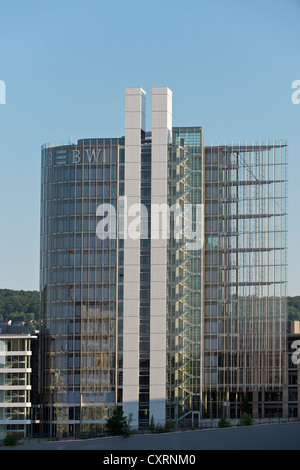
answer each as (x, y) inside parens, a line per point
(246, 420)
(169, 426)
(11, 440)
(223, 423)
(158, 429)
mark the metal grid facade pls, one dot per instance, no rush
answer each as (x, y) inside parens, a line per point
(245, 275)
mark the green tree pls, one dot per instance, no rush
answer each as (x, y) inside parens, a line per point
(20, 306)
(118, 424)
(152, 424)
(293, 308)
(246, 407)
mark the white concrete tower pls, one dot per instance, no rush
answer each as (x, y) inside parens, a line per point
(134, 124)
(161, 137)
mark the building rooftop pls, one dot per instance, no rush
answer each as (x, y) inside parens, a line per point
(6, 329)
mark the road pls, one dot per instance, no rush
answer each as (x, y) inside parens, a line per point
(256, 437)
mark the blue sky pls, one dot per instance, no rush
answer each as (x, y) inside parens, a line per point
(229, 63)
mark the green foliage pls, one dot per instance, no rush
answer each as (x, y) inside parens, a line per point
(246, 408)
(118, 424)
(11, 439)
(152, 424)
(20, 306)
(293, 308)
(223, 423)
(169, 426)
(23, 306)
(157, 428)
(246, 420)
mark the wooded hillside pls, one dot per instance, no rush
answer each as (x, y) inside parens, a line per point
(23, 306)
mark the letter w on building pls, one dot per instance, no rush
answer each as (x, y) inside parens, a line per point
(91, 154)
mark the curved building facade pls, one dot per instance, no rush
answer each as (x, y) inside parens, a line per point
(80, 285)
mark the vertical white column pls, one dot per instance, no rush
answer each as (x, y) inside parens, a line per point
(161, 137)
(134, 123)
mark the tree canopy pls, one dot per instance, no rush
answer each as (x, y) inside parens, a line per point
(20, 306)
(293, 308)
(23, 306)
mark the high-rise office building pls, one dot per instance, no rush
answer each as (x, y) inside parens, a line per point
(163, 275)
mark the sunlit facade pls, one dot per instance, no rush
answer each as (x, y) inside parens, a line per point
(150, 324)
(15, 381)
(81, 285)
(245, 278)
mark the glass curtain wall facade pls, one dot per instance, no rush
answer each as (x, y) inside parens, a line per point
(81, 286)
(185, 278)
(145, 267)
(245, 277)
(226, 303)
(218, 329)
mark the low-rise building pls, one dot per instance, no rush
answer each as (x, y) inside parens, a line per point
(15, 380)
(293, 385)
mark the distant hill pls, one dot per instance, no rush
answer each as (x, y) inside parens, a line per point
(23, 306)
(293, 306)
(20, 306)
